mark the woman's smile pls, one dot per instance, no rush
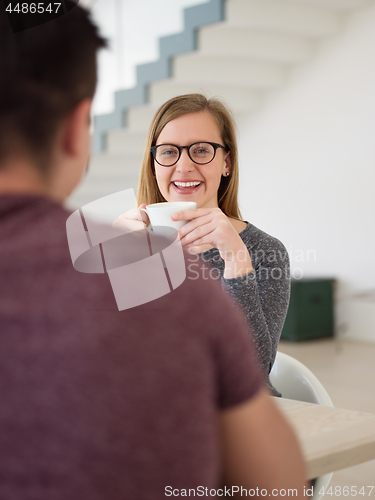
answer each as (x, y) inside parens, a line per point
(186, 186)
(187, 180)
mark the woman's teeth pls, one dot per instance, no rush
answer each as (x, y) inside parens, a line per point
(186, 184)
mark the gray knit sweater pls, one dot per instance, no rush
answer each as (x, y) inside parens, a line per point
(263, 294)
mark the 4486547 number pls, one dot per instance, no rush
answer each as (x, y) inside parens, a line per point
(33, 8)
(346, 491)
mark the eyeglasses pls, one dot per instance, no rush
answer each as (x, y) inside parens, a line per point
(201, 153)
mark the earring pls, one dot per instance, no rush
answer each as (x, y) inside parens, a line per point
(226, 173)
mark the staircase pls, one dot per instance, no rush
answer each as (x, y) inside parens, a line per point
(238, 50)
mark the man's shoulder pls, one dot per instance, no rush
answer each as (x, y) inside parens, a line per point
(35, 260)
(26, 212)
(31, 226)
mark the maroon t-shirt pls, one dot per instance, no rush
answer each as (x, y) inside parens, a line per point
(99, 404)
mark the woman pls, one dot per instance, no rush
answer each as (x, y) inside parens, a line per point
(191, 155)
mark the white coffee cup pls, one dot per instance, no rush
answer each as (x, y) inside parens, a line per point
(160, 213)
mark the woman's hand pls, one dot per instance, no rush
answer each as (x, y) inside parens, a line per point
(211, 227)
(132, 220)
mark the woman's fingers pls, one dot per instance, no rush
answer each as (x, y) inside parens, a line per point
(128, 224)
(132, 220)
(207, 222)
(192, 214)
(194, 225)
(199, 248)
(136, 214)
(189, 235)
(144, 216)
(208, 227)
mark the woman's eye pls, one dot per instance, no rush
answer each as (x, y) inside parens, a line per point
(169, 152)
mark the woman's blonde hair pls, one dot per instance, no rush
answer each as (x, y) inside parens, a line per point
(148, 190)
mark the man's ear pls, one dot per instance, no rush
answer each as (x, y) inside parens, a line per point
(76, 128)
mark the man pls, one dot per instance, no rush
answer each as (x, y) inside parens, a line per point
(145, 403)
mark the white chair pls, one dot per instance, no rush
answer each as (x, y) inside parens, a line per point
(295, 381)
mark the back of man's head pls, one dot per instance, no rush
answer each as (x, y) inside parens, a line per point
(45, 71)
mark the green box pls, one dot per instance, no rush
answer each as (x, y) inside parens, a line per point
(310, 313)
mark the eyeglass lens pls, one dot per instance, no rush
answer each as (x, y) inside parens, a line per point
(201, 152)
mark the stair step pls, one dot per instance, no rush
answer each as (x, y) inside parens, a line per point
(225, 39)
(200, 69)
(139, 118)
(127, 142)
(341, 5)
(106, 186)
(237, 98)
(111, 165)
(287, 16)
(80, 200)
(107, 174)
(90, 190)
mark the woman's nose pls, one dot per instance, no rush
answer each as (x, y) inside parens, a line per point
(184, 162)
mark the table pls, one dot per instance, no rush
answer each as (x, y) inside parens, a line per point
(331, 438)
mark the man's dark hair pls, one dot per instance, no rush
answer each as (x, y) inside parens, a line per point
(45, 72)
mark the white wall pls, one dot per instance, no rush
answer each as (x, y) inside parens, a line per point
(308, 169)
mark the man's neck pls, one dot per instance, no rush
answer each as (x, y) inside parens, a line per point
(20, 177)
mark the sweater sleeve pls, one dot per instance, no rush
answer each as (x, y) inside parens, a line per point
(263, 295)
